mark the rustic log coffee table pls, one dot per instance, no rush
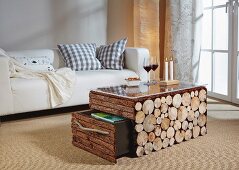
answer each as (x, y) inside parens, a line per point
(161, 115)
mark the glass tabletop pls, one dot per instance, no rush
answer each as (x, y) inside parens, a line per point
(145, 90)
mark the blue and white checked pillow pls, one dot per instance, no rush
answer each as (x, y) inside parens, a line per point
(112, 56)
(80, 56)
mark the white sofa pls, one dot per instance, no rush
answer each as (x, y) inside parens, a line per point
(19, 95)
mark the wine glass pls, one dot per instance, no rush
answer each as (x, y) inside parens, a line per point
(154, 66)
(147, 68)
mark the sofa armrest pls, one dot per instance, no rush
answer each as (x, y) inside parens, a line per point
(134, 60)
(6, 99)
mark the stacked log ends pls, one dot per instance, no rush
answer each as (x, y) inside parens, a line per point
(157, 103)
(140, 151)
(165, 142)
(149, 123)
(196, 131)
(173, 118)
(177, 99)
(169, 100)
(195, 102)
(157, 144)
(138, 106)
(139, 117)
(182, 113)
(186, 99)
(179, 136)
(202, 95)
(188, 134)
(151, 136)
(165, 123)
(164, 108)
(139, 128)
(148, 107)
(142, 138)
(173, 113)
(148, 148)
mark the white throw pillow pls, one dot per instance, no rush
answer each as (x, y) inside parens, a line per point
(38, 63)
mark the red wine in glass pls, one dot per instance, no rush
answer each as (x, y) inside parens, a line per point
(147, 68)
(154, 66)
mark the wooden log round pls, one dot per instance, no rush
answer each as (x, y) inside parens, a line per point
(179, 136)
(165, 142)
(140, 151)
(186, 99)
(173, 113)
(159, 120)
(185, 125)
(165, 123)
(195, 102)
(202, 119)
(157, 130)
(177, 125)
(169, 100)
(170, 132)
(190, 125)
(196, 93)
(202, 95)
(203, 131)
(157, 103)
(196, 131)
(202, 107)
(139, 128)
(164, 108)
(157, 144)
(163, 100)
(190, 115)
(196, 114)
(142, 138)
(188, 134)
(192, 94)
(195, 122)
(157, 112)
(151, 136)
(148, 148)
(138, 106)
(171, 141)
(139, 117)
(182, 113)
(163, 134)
(162, 116)
(177, 100)
(149, 123)
(171, 123)
(148, 107)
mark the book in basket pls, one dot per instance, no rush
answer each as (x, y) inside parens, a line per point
(107, 117)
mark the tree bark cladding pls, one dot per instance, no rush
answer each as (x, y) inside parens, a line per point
(117, 142)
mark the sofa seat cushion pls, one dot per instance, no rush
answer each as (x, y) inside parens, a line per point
(29, 94)
(88, 80)
(32, 94)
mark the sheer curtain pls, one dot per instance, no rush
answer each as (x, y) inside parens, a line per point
(146, 26)
(183, 37)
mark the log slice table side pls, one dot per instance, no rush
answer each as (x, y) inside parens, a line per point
(162, 118)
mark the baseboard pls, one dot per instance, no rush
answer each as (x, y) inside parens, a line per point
(41, 113)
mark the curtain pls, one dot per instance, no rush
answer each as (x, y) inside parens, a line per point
(183, 37)
(146, 26)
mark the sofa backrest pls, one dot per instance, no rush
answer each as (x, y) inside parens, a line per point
(53, 54)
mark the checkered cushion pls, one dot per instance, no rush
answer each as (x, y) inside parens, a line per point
(112, 56)
(80, 56)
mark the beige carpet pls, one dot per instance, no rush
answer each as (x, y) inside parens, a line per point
(45, 143)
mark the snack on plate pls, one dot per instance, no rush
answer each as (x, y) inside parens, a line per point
(133, 79)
